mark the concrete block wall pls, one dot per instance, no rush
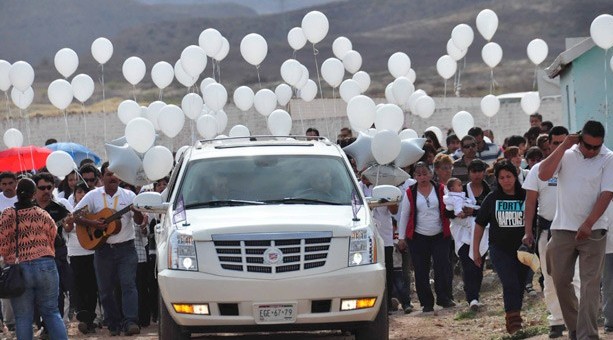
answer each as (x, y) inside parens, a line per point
(327, 115)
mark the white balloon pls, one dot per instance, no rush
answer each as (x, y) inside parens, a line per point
(21, 75)
(182, 76)
(601, 31)
(162, 74)
(291, 72)
(537, 51)
(455, 52)
(243, 98)
(239, 131)
(425, 106)
(371, 132)
(207, 126)
(279, 123)
(413, 99)
(283, 93)
(437, 132)
(296, 38)
(193, 60)
(222, 120)
(402, 89)
(341, 46)
(215, 96)
(171, 120)
(361, 151)
(487, 23)
(254, 48)
(192, 105)
(530, 102)
(611, 63)
(389, 94)
(134, 70)
(140, 134)
(22, 99)
(349, 88)
(13, 138)
(157, 162)
(491, 54)
(5, 80)
(352, 61)
(406, 134)
(128, 110)
(153, 113)
(315, 26)
(102, 50)
(462, 36)
(398, 64)
(304, 78)
(60, 93)
(410, 151)
(206, 82)
(361, 111)
(411, 76)
(490, 105)
(210, 40)
(66, 62)
(389, 117)
(265, 101)
(82, 87)
(332, 70)
(223, 51)
(461, 123)
(363, 79)
(446, 66)
(309, 91)
(385, 146)
(59, 163)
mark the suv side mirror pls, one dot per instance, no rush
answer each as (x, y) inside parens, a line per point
(384, 195)
(150, 202)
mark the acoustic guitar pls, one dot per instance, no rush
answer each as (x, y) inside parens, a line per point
(92, 238)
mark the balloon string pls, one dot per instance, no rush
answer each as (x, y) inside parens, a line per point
(606, 96)
(321, 92)
(257, 69)
(84, 123)
(29, 139)
(66, 126)
(219, 70)
(445, 92)
(300, 115)
(213, 67)
(191, 125)
(294, 54)
(8, 109)
(377, 180)
(161, 95)
(103, 107)
(492, 79)
(134, 92)
(536, 68)
(459, 84)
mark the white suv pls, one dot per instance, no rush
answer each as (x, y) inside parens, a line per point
(267, 234)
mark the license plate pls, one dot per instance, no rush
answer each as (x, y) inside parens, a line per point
(275, 313)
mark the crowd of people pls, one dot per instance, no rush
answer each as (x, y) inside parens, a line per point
(466, 203)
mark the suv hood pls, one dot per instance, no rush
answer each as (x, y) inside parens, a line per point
(274, 218)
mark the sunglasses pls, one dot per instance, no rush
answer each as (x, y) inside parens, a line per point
(89, 180)
(590, 146)
(467, 146)
(45, 187)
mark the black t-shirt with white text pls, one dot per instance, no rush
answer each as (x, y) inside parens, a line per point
(505, 215)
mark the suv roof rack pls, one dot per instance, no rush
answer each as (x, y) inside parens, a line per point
(259, 138)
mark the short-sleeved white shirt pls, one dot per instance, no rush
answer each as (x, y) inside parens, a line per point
(95, 200)
(547, 191)
(580, 182)
(7, 202)
(383, 218)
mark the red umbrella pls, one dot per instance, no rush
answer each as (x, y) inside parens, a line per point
(23, 158)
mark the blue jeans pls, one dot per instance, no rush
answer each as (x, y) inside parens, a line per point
(607, 290)
(512, 274)
(424, 249)
(116, 265)
(42, 287)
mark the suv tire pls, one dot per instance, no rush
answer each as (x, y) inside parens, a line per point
(167, 327)
(377, 329)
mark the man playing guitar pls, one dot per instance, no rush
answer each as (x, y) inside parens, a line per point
(116, 260)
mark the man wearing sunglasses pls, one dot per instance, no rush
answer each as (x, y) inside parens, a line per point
(585, 188)
(468, 145)
(90, 175)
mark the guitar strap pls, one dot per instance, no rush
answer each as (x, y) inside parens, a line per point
(115, 201)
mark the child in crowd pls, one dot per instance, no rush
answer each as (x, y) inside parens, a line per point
(456, 200)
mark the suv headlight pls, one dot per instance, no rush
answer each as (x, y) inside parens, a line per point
(362, 247)
(182, 251)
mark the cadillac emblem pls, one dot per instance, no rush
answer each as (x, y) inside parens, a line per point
(273, 255)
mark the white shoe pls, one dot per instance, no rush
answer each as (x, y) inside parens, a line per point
(474, 305)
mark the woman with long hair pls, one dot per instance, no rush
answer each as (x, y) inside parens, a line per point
(35, 237)
(67, 186)
(503, 210)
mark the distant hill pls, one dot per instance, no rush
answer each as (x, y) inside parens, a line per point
(376, 28)
(260, 6)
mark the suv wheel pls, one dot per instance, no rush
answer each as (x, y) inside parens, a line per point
(377, 329)
(167, 327)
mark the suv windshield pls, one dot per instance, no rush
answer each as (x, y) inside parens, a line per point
(269, 179)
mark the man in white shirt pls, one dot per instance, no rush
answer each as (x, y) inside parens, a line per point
(545, 193)
(585, 189)
(116, 260)
(8, 197)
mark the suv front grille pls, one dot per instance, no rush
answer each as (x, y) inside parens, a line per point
(272, 253)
